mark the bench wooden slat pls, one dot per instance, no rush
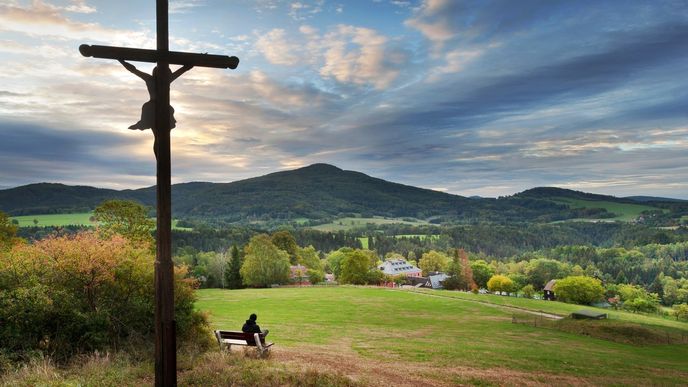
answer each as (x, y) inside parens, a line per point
(229, 338)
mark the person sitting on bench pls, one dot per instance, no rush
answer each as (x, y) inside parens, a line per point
(251, 327)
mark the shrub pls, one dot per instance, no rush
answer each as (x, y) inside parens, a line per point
(579, 290)
(500, 283)
(528, 291)
(69, 294)
(680, 311)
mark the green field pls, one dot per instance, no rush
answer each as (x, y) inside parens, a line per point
(625, 212)
(349, 223)
(78, 219)
(59, 220)
(561, 308)
(380, 336)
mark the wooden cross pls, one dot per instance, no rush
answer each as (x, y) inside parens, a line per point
(165, 334)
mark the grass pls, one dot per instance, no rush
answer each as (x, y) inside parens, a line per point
(350, 223)
(561, 308)
(355, 336)
(366, 330)
(59, 220)
(625, 212)
(79, 219)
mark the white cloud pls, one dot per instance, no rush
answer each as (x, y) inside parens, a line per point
(434, 20)
(277, 48)
(183, 6)
(360, 56)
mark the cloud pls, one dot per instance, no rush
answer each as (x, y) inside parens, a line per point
(42, 19)
(361, 56)
(184, 6)
(277, 49)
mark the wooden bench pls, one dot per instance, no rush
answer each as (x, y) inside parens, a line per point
(228, 338)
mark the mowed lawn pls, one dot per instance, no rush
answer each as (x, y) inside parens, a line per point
(366, 332)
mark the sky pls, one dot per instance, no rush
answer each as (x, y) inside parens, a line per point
(483, 98)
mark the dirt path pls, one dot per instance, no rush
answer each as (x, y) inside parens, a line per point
(511, 308)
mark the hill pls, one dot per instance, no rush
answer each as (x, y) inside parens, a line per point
(323, 191)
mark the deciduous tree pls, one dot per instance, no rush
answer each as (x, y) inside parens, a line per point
(500, 283)
(126, 218)
(264, 263)
(433, 261)
(579, 290)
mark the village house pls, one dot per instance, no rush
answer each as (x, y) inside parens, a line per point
(298, 275)
(548, 291)
(396, 267)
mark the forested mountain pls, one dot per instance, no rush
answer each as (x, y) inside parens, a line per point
(322, 191)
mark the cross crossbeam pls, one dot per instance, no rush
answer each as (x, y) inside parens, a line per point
(153, 56)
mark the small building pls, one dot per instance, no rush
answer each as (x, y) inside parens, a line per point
(399, 267)
(548, 291)
(419, 282)
(588, 314)
(436, 280)
(298, 275)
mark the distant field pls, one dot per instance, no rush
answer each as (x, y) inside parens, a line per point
(364, 240)
(385, 337)
(79, 219)
(625, 211)
(57, 220)
(349, 223)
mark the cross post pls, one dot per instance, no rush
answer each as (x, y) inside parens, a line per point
(165, 329)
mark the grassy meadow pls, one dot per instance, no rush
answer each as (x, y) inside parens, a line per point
(350, 223)
(625, 212)
(78, 219)
(60, 220)
(380, 336)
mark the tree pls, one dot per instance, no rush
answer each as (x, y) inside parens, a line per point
(264, 263)
(680, 311)
(8, 231)
(217, 267)
(460, 273)
(542, 270)
(433, 261)
(579, 290)
(286, 242)
(335, 258)
(309, 258)
(126, 218)
(233, 275)
(500, 283)
(355, 267)
(482, 272)
(528, 291)
(636, 299)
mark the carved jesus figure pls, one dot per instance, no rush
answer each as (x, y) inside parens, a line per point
(147, 120)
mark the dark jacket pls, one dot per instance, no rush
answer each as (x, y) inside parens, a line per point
(250, 327)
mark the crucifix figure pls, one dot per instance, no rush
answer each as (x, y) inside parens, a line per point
(147, 120)
(157, 115)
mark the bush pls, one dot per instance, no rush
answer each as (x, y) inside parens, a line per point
(500, 283)
(528, 291)
(70, 294)
(579, 290)
(680, 311)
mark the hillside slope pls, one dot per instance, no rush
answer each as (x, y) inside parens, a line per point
(321, 191)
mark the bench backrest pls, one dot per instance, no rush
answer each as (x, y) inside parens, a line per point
(236, 335)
